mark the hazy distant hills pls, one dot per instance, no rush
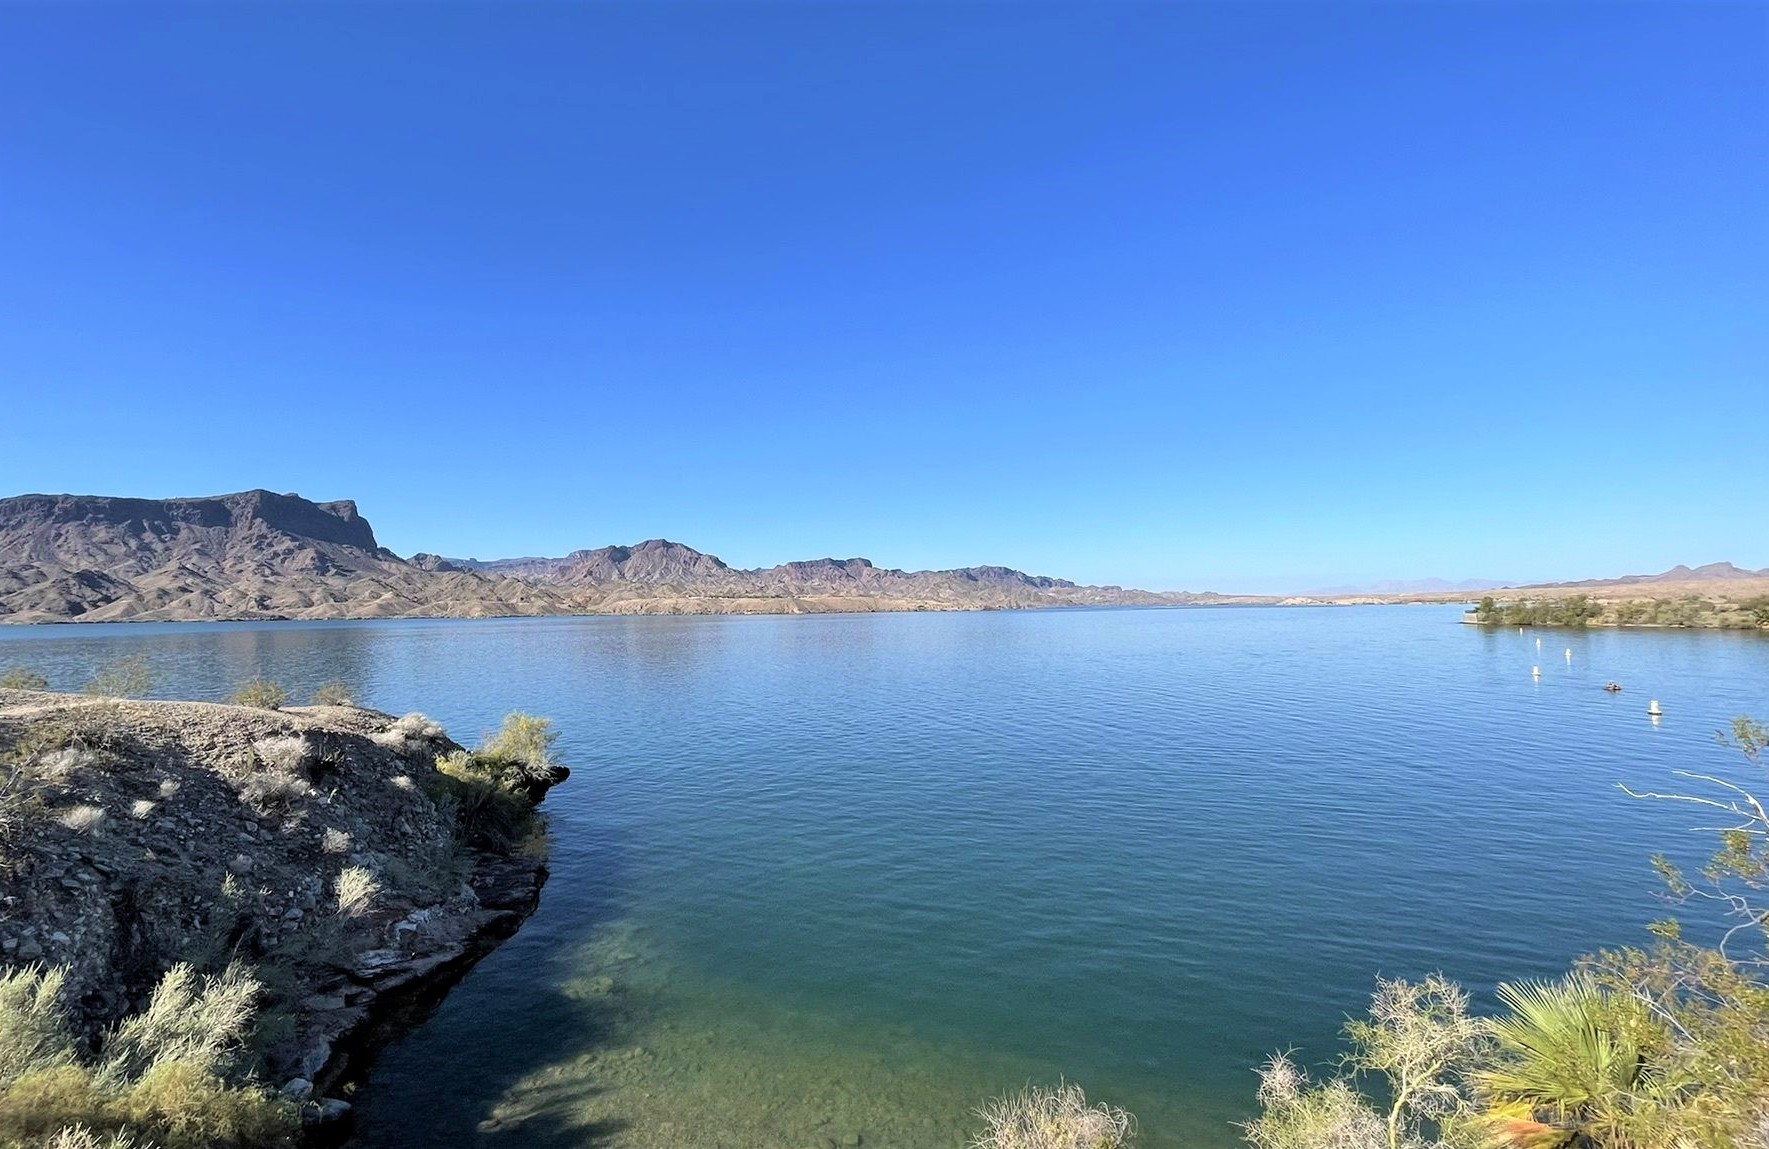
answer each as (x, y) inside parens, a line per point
(1714, 578)
(261, 555)
(1712, 572)
(1413, 586)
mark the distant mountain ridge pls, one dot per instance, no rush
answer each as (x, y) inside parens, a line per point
(1710, 572)
(257, 554)
(260, 555)
(1678, 579)
(660, 562)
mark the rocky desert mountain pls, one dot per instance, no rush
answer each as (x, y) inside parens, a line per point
(257, 555)
(659, 570)
(248, 555)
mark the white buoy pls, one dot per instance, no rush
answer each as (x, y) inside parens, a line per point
(1652, 708)
(1569, 656)
(1538, 644)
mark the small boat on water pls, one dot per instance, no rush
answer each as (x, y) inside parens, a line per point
(1613, 687)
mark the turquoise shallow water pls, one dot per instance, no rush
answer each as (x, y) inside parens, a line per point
(825, 877)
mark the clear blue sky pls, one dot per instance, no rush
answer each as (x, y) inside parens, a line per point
(1183, 295)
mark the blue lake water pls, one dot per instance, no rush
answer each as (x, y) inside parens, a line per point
(835, 876)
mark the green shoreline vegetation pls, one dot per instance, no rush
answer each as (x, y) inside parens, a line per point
(1580, 610)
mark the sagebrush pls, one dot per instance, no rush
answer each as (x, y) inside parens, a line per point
(170, 1076)
(261, 694)
(1056, 1117)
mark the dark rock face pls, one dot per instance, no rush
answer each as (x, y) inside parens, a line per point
(429, 562)
(38, 516)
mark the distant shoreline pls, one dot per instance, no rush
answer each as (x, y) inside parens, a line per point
(1579, 612)
(1707, 613)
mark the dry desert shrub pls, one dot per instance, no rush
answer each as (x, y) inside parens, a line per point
(59, 764)
(418, 727)
(1297, 1114)
(1047, 1118)
(413, 732)
(166, 1076)
(335, 693)
(261, 694)
(23, 678)
(82, 1137)
(33, 1027)
(270, 793)
(83, 819)
(281, 779)
(289, 754)
(198, 1021)
(125, 678)
(357, 889)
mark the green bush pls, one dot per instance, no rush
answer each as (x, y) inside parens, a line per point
(1574, 610)
(525, 742)
(23, 678)
(491, 792)
(489, 813)
(129, 677)
(262, 694)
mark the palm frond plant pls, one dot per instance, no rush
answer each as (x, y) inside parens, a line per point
(1569, 1057)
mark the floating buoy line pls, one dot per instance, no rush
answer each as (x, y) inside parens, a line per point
(1653, 709)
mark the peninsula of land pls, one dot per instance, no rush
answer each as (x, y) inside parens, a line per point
(211, 905)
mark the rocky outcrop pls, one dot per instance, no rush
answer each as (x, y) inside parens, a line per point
(317, 843)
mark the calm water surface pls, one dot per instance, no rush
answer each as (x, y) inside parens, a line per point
(821, 877)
